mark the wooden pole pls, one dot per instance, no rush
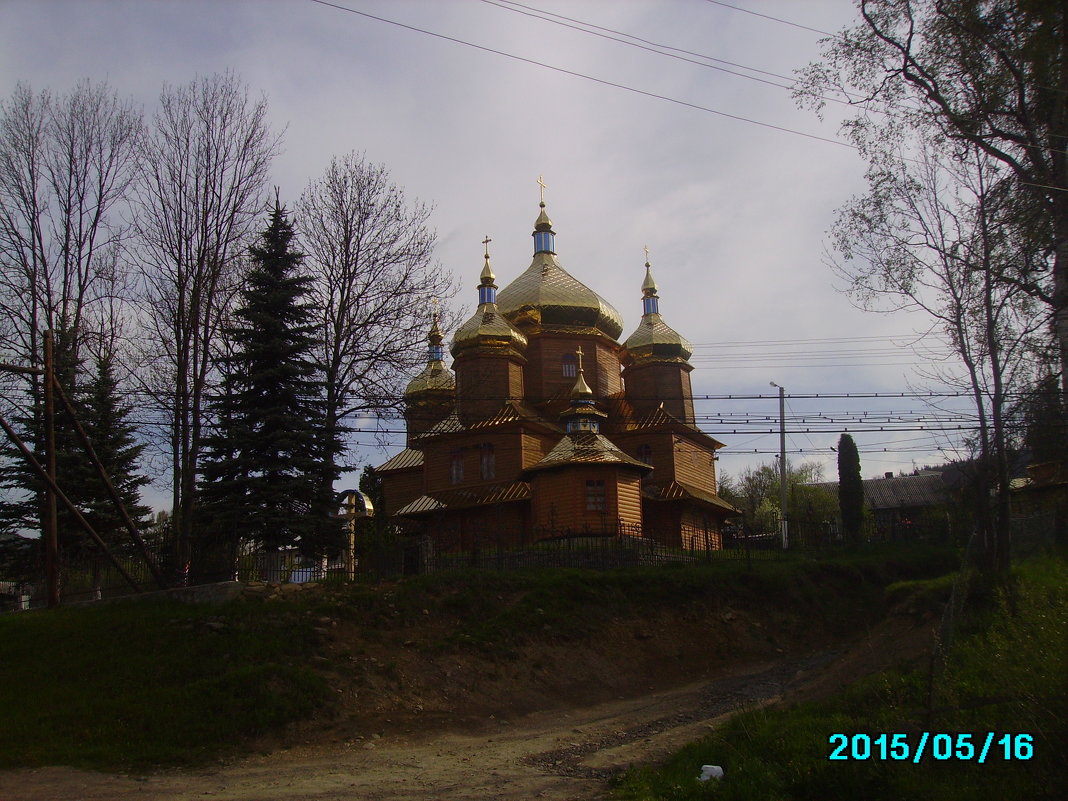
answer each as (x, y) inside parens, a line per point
(48, 518)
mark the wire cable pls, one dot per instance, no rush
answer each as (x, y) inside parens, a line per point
(602, 81)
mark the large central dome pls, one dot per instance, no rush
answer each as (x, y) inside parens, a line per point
(548, 298)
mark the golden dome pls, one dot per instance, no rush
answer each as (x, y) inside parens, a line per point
(435, 376)
(548, 298)
(654, 340)
(487, 328)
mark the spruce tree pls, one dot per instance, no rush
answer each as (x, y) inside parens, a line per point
(261, 479)
(22, 508)
(113, 437)
(104, 416)
(850, 488)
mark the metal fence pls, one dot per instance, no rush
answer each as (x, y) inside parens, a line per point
(390, 555)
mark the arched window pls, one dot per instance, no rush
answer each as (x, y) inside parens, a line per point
(487, 461)
(645, 454)
(569, 365)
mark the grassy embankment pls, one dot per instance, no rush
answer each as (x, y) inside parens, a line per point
(140, 684)
(1007, 673)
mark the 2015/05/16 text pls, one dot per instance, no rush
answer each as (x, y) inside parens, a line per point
(964, 747)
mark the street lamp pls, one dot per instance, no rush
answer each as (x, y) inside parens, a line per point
(782, 465)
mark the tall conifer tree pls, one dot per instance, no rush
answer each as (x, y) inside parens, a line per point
(113, 437)
(850, 488)
(262, 477)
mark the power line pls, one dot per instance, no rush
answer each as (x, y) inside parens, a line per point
(584, 76)
(773, 19)
(652, 47)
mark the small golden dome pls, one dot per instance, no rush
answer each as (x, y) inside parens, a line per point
(487, 328)
(436, 376)
(654, 340)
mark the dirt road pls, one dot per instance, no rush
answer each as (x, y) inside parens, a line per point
(554, 755)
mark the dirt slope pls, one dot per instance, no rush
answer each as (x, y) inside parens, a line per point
(552, 722)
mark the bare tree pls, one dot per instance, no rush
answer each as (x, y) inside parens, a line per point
(935, 234)
(371, 254)
(989, 73)
(206, 159)
(66, 167)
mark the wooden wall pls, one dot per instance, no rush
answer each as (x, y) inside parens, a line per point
(559, 498)
(650, 385)
(694, 465)
(400, 487)
(484, 383)
(544, 376)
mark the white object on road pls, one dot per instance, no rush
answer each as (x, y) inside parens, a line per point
(710, 772)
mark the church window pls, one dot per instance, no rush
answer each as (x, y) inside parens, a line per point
(596, 497)
(456, 467)
(645, 453)
(487, 461)
(569, 366)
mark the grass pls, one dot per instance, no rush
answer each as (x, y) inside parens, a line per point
(1007, 676)
(141, 684)
(135, 685)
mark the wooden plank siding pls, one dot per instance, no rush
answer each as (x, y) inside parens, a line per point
(694, 464)
(650, 385)
(400, 487)
(484, 384)
(700, 532)
(560, 500)
(544, 373)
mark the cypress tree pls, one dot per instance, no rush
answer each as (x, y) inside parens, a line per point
(261, 479)
(850, 488)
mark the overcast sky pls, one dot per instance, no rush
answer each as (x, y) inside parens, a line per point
(735, 214)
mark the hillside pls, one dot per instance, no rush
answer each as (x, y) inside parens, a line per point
(136, 685)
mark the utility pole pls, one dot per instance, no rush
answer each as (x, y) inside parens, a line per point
(782, 467)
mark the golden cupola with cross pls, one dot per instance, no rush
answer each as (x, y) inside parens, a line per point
(559, 313)
(549, 427)
(431, 395)
(656, 359)
(488, 354)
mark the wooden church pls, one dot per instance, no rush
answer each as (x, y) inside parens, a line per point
(547, 426)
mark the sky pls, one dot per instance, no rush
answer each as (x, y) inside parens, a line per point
(729, 184)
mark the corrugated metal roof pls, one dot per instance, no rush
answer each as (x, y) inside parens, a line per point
(658, 418)
(513, 412)
(422, 504)
(900, 492)
(467, 497)
(407, 458)
(586, 448)
(676, 490)
(448, 425)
